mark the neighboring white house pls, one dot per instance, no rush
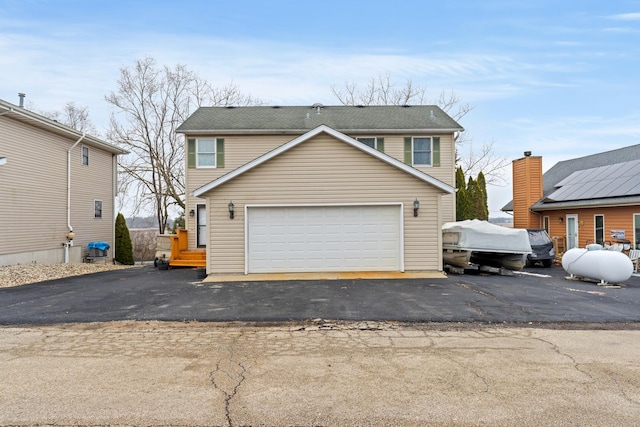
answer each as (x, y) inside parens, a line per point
(58, 189)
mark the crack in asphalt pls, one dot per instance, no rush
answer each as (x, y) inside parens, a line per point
(227, 378)
(490, 296)
(576, 364)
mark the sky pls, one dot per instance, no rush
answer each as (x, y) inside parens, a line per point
(560, 79)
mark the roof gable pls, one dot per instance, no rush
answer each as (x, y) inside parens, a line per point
(445, 188)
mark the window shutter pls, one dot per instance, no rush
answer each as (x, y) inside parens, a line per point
(191, 153)
(436, 151)
(380, 144)
(407, 151)
(220, 152)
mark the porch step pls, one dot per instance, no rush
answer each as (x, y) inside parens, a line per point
(192, 255)
(188, 263)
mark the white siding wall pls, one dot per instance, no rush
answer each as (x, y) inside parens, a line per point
(323, 170)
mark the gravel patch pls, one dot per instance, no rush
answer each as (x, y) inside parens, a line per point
(16, 275)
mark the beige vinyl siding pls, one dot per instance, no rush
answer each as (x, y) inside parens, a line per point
(33, 194)
(239, 149)
(323, 171)
(89, 183)
(394, 146)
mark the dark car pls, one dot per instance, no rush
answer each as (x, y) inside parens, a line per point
(541, 246)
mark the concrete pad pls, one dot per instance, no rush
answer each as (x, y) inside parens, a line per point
(349, 275)
(306, 374)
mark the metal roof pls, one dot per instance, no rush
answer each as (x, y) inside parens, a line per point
(301, 119)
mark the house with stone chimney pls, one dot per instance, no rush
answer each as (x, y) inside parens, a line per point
(591, 199)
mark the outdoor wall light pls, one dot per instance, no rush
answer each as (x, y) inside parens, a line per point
(560, 219)
(230, 206)
(416, 206)
(192, 213)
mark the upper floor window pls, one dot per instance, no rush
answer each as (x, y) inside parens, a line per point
(85, 155)
(206, 153)
(422, 151)
(371, 141)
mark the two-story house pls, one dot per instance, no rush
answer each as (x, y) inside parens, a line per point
(58, 189)
(319, 188)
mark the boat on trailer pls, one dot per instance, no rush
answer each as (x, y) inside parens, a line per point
(484, 244)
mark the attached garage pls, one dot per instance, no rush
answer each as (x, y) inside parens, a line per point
(324, 238)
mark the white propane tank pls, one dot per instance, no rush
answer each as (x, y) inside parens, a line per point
(606, 266)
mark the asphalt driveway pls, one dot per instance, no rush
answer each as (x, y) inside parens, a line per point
(146, 293)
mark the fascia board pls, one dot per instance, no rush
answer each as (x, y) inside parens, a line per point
(303, 131)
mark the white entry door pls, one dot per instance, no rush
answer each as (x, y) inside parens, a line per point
(324, 238)
(201, 224)
(572, 231)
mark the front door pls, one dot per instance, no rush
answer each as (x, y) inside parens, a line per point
(572, 231)
(201, 224)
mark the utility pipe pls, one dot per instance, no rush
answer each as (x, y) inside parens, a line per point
(69, 241)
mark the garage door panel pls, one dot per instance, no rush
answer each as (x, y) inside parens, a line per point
(324, 238)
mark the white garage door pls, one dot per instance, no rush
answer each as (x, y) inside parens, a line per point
(324, 238)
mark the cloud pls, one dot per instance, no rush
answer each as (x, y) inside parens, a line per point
(634, 16)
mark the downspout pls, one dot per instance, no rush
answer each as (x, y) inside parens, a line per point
(70, 234)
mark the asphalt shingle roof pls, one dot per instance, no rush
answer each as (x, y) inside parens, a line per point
(294, 119)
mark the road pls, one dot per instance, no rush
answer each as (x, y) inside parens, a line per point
(121, 348)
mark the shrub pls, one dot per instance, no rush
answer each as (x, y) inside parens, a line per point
(124, 248)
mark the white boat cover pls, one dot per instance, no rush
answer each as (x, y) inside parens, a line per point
(482, 236)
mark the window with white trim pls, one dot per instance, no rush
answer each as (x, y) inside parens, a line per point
(206, 152)
(371, 141)
(421, 151)
(97, 208)
(598, 232)
(85, 155)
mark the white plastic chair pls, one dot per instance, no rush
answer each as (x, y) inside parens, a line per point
(634, 254)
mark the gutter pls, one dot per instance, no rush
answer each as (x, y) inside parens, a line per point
(70, 234)
(302, 131)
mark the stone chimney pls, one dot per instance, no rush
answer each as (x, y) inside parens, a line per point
(527, 189)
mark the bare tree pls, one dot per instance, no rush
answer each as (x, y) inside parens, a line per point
(381, 90)
(150, 102)
(73, 116)
(483, 160)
